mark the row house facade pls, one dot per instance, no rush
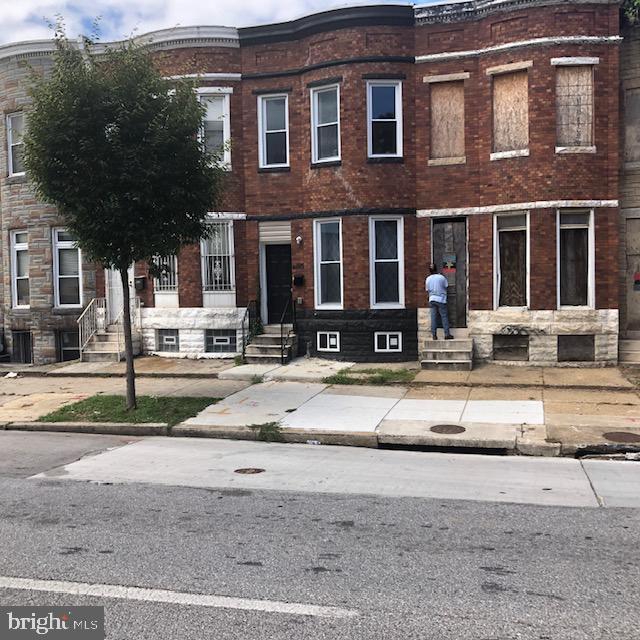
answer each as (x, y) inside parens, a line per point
(362, 144)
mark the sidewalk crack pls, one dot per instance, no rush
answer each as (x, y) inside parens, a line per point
(599, 500)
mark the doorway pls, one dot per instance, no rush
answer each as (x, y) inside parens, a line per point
(277, 259)
(114, 294)
(449, 250)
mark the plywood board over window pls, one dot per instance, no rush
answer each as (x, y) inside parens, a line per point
(574, 106)
(447, 120)
(632, 125)
(510, 111)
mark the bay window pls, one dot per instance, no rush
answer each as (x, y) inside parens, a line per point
(325, 124)
(216, 126)
(384, 115)
(273, 131)
(15, 143)
(386, 262)
(328, 263)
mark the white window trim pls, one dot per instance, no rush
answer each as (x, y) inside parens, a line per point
(226, 121)
(327, 333)
(315, 126)
(10, 144)
(387, 333)
(15, 247)
(316, 265)
(262, 132)
(398, 86)
(232, 261)
(496, 261)
(591, 269)
(65, 244)
(372, 272)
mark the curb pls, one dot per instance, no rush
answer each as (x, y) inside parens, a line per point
(578, 387)
(98, 374)
(105, 428)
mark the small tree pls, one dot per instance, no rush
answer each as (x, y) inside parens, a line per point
(117, 149)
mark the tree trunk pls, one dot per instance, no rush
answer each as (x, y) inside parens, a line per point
(128, 342)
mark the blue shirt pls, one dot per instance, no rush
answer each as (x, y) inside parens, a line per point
(436, 287)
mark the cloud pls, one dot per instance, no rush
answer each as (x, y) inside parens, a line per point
(29, 19)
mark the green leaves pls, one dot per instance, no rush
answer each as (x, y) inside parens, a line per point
(631, 10)
(116, 148)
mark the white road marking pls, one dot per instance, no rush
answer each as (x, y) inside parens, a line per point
(173, 597)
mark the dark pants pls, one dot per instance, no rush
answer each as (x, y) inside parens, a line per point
(439, 308)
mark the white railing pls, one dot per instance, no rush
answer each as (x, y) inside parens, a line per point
(92, 319)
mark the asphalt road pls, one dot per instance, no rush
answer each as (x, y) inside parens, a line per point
(388, 567)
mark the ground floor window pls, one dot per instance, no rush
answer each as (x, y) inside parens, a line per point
(386, 257)
(166, 274)
(68, 345)
(575, 258)
(168, 340)
(387, 342)
(67, 267)
(511, 260)
(218, 260)
(328, 341)
(220, 341)
(22, 351)
(328, 263)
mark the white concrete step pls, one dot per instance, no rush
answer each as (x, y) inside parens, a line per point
(271, 338)
(265, 359)
(447, 365)
(266, 349)
(102, 356)
(275, 328)
(447, 354)
(454, 345)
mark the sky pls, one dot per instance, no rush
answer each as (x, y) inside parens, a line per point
(30, 19)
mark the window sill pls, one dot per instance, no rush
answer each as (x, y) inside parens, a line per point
(286, 169)
(578, 307)
(17, 178)
(20, 309)
(328, 350)
(325, 163)
(443, 162)
(503, 155)
(565, 150)
(61, 311)
(375, 307)
(329, 307)
(632, 166)
(512, 308)
(386, 160)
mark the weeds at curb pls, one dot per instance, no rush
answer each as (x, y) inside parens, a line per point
(371, 376)
(267, 432)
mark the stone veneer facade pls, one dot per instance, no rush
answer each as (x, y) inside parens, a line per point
(348, 47)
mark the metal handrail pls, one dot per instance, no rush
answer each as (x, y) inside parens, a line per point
(284, 339)
(93, 318)
(248, 327)
(134, 311)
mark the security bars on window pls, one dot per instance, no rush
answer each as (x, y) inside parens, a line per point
(167, 279)
(218, 258)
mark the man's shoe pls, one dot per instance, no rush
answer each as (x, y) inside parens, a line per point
(434, 337)
(449, 337)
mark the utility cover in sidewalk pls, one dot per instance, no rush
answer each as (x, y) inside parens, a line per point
(622, 436)
(249, 471)
(447, 429)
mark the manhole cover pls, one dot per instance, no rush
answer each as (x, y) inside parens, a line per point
(248, 471)
(622, 436)
(447, 429)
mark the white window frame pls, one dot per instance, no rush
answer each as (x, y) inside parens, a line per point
(388, 334)
(591, 268)
(397, 84)
(496, 260)
(11, 144)
(225, 92)
(317, 248)
(160, 341)
(328, 348)
(15, 247)
(372, 262)
(315, 126)
(65, 244)
(171, 286)
(262, 130)
(232, 259)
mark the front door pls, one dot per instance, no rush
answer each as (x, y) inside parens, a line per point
(450, 256)
(278, 268)
(115, 297)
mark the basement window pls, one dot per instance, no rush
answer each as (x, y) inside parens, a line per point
(387, 342)
(22, 351)
(576, 348)
(68, 345)
(168, 340)
(220, 341)
(328, 341)
(513, 347)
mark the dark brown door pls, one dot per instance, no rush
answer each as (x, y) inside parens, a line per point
(278, 263)
(450, 256)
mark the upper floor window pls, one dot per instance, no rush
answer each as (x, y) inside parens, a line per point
(325, 124)
(384, 115)
(15, 143)
(67, 268)
(512, 260)
(216, 126)
(273, 130)
(166, 278)
(576, 259)
(386, 262)
(510, 111)
(328, 263)
(574, 109)
(447, 123)
(218, 261)
(19, 268)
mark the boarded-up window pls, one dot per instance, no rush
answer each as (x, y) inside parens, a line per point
(574, 106)
(447, 120)
(574, 258)
(511, 111)
(512, 260)
(632, 125)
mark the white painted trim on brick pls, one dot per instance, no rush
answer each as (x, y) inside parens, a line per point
(397, 84)
(226, 215)
(573, 61)
(504, 155)
(388, 334)
(262, 130)
(230, 77)
(534, 42)
(214, 90)
(566, 150)
(518, 206)
(447, 77)
(65, 244)
(509, 68)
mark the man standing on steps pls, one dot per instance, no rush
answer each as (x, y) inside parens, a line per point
(436, 287)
